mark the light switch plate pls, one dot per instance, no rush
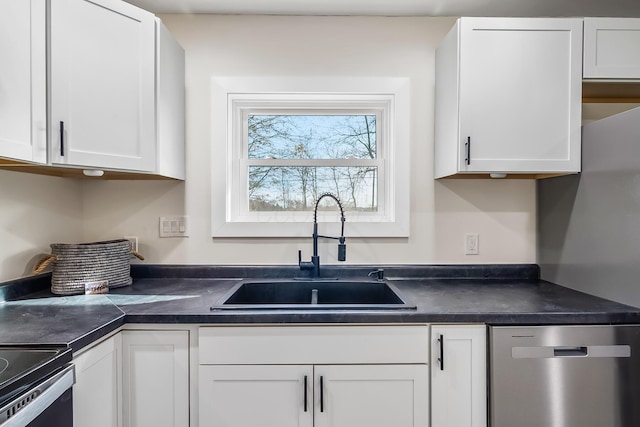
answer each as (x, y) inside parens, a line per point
(174, 226)
(471, 244)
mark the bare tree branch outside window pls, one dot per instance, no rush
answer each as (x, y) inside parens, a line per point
(287, 141)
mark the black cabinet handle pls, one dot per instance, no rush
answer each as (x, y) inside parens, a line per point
(321, 394)
(468, 147)
(441, 359)
(305, 393)
(62, 138)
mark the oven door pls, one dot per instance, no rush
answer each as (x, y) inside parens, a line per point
(46, 403)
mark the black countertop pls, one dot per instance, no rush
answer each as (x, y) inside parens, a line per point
(184, 295)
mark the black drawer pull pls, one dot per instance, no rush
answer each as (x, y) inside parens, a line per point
(321, 394)
(62, 138)
(305, 393)
(441, 359)
(468, 147)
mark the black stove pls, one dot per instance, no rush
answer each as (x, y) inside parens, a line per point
(23, 366)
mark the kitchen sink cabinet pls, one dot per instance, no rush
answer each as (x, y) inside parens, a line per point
(314, 395)
(155, 378)
(458, 376)
(95, 392)
(508, 97)
(611, 48)
(371, 395)
(23, 105)
(255, 395)
(314, 375)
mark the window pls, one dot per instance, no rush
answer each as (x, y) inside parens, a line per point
(279, 144)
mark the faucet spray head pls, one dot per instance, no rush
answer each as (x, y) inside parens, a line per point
(342, 250)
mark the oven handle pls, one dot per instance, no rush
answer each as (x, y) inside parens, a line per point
(30, 407)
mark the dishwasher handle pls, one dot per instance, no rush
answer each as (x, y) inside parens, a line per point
(591, 351)
(570, 352)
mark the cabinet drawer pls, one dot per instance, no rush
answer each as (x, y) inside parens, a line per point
(313, 344)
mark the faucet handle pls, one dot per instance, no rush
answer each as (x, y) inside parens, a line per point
(305, 265)
(379, 274)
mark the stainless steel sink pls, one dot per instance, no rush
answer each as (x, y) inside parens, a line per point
(313, 295)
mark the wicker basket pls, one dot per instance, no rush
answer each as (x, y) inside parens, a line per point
(76, 264)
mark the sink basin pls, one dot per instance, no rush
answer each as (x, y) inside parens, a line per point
(313, 295)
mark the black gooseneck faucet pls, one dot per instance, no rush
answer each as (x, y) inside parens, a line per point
(314, 264)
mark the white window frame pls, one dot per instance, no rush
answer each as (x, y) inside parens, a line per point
(234, 98)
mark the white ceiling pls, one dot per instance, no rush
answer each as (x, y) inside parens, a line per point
(619, 8)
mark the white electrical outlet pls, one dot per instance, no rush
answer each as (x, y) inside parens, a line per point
(174, 226)
(133, 242)
(471, 244)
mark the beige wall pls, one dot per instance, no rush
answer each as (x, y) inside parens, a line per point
(502, 212)
(34, 212)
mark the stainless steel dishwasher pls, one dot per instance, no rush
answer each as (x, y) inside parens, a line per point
(564, 376)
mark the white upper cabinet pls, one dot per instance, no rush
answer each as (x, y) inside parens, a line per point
(90, 85)
(23, 128)
(612, 48)
(508, 97)
(102, 85)
(170, 105)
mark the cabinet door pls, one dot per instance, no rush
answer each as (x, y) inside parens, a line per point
(256, 396)
(23, 80)
(102, 85)
(95, 393)
(520, 95)
(611, 48)
(155, 378)
(458, 376)
(371, 395)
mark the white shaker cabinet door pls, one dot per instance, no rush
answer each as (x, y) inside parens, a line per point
(611, 48)
(371, 396)
(155, 378)
(508, 97)
(102, 85)
(458, 376)
(256, 396)
(95, 393)
(520, 95)
(23, 80)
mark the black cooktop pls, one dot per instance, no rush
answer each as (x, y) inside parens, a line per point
(21, 366)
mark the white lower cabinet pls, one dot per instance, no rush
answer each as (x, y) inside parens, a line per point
(458, 376)
(371, 396)
(320, 396)
(95, 393)
(285, 376)
(248, 377)
(256, 395)
(155, 378)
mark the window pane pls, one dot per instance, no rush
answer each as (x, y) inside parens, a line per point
(312, 137)
(297, 188)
